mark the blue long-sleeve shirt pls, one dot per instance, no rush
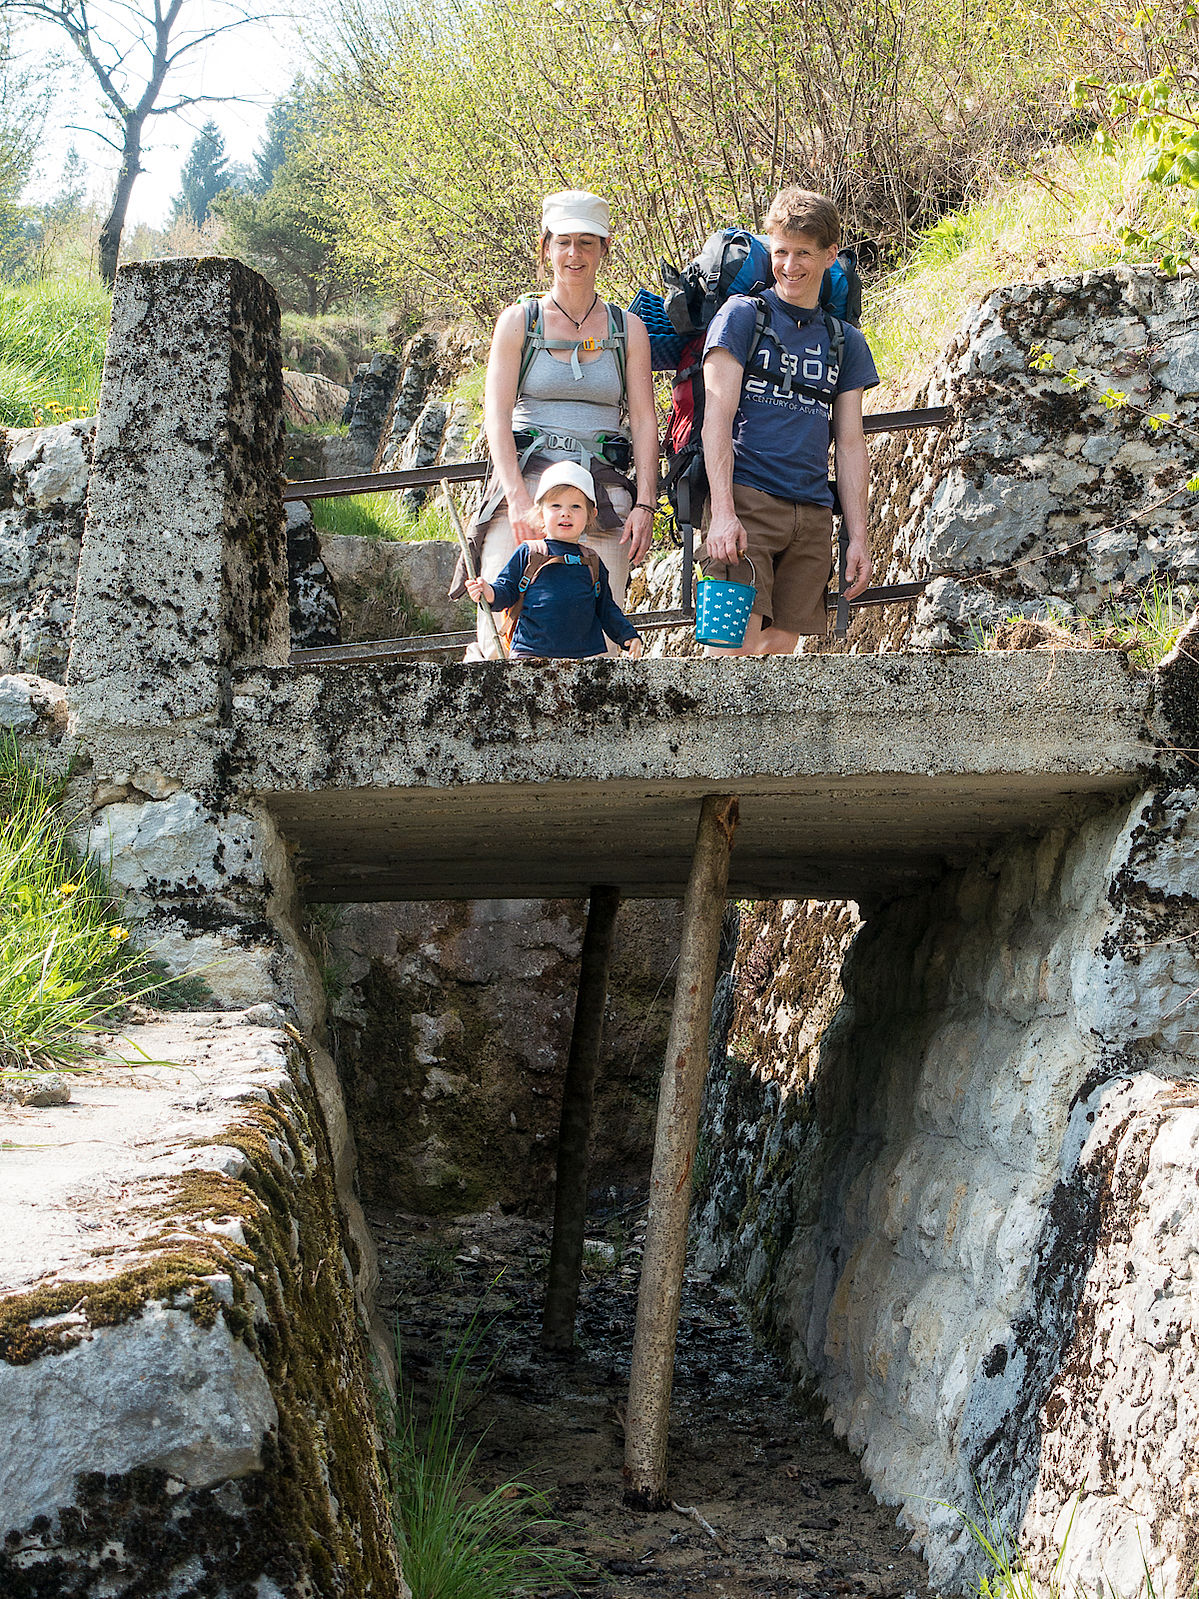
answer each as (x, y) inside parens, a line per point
(563, 616)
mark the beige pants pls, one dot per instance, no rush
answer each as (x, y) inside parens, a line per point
(499, 547)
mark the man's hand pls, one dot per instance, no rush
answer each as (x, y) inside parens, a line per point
(637, 533)
(726, 540)
(858, 570)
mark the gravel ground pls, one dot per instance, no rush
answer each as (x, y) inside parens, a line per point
(787, 1502)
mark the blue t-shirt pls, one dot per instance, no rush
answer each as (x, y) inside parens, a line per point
(780, 436)
(563, 617)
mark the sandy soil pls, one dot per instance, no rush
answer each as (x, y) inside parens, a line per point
(791, 1509)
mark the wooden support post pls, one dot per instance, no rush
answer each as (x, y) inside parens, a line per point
(652, 1369)
(574, 1133)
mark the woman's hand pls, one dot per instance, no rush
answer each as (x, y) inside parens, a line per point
(525, 521)
(638, 533)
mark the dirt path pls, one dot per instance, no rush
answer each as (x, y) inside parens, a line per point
(787, 1500)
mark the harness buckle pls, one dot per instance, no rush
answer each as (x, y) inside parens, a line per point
(589, 345)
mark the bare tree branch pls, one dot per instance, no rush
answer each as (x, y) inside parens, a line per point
(109, 36)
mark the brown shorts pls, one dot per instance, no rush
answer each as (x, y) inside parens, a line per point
(791, 547)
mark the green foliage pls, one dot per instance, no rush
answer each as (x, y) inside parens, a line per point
(455, 1540)
(381, 516)
(282, 226)
(1161, 109)
(448, 122)
(1069, 213)
(1146, 627)
(52, 339)
(331, 345)
(206, 172)
(64, 964)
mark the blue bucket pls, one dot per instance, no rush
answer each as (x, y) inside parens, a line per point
(722, 610)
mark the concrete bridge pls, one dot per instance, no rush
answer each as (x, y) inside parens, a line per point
(855, 776)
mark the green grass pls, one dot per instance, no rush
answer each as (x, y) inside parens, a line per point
(457, 1540)
(1061, 220)
(381, 516)
(65, 964)
(1147, 628)
(52, 339)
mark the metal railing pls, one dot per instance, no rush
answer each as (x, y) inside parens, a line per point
(476, 471)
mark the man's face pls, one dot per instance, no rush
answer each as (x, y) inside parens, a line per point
(799, 266)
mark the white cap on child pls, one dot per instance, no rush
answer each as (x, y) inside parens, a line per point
(566, 472)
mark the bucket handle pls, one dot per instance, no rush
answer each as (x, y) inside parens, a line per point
(729, 568)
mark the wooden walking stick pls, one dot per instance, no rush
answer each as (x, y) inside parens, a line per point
(470, 568)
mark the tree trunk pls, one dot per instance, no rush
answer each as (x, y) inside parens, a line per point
(114, 225)
(652, 1369)
(574, 1134)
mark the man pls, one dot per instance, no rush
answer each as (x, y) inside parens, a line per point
(766, 433)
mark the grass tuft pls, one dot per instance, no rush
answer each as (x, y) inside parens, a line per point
(52, 340)
(1146, 630)
(381, 516)
(67, 965)
(457, 1541)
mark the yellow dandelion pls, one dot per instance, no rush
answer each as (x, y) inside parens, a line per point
(118, 934)
(68, 889)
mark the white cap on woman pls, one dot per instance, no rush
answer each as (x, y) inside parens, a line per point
(576, 211)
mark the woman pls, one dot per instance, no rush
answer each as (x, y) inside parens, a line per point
(561, 371)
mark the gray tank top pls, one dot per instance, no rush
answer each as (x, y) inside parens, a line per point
(554, 398)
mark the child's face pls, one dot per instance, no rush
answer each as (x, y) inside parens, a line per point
(565, 512)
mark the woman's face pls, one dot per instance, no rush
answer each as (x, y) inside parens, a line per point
(575, 257)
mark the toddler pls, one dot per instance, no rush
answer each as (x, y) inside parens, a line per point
(556, 591)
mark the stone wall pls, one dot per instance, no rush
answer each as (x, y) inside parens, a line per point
(186, 1400)
(1038, 494)
(964, 1203)
(930, 1184)
(450, 1033)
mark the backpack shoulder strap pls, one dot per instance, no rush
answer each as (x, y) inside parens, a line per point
(618, 341)
(591, 557)
(836, 339)
(531, 344)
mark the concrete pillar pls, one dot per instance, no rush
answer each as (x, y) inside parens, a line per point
(652, 1371)
(183, 589)
(183, 571)
(574, 1133)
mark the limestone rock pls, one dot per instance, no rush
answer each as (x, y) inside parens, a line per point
(312, 597)
(41, 1092)
(1027, 497)
(183, 1383)
(309, 399)
(45, 473)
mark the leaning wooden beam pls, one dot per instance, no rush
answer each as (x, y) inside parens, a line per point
(652, 1370)
(574, 1132)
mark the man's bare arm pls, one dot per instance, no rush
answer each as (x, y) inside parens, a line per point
(853, 486)
(723, 375)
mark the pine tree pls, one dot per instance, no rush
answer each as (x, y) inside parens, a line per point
(205, 174)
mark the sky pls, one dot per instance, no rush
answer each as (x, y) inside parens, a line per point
(255, 62)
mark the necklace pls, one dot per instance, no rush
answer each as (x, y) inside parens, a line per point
(585, 315)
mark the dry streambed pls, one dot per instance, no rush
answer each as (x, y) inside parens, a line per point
(787, 1502)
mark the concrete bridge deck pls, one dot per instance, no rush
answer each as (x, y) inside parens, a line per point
(857, 774)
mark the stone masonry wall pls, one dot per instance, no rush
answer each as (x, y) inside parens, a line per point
(1036, 495)
(966, 1209)
(187, 1407)
(450, 1032)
